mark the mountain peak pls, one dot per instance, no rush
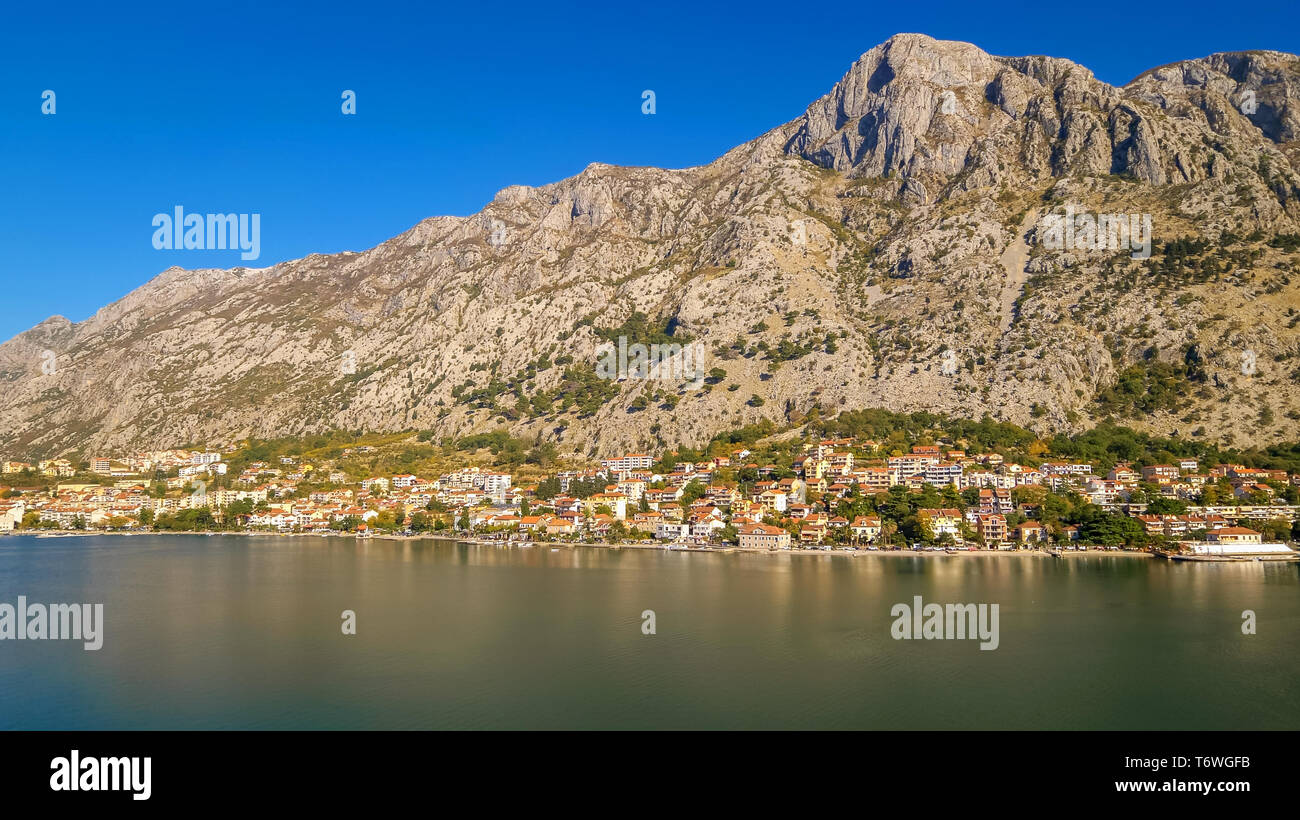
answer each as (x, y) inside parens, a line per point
(928, 112)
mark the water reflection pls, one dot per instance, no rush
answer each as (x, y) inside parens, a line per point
(239, 631)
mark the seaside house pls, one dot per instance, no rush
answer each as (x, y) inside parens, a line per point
(941, 522)
(993, 527)
(1031, 532)
(865, 529)
(812, 533)
(761, 536)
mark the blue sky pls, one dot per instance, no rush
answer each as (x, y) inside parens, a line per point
(235, 107)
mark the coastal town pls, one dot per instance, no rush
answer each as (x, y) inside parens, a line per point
(848, 493)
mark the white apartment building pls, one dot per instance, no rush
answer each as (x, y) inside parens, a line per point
(627, 463)
(495, 485)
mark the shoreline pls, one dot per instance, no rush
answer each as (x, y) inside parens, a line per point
(496, 542)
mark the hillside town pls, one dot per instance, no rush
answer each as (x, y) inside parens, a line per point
(831, 494)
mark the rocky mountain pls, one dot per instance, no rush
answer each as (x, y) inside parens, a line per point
(892, 247)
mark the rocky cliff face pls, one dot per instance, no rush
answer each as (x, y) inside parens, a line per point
(885, 249)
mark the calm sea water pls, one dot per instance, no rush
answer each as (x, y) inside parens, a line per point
(244, 632)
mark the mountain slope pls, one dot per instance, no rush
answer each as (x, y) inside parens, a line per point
(920, 180)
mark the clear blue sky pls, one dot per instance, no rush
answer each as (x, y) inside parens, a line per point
(235, 107)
